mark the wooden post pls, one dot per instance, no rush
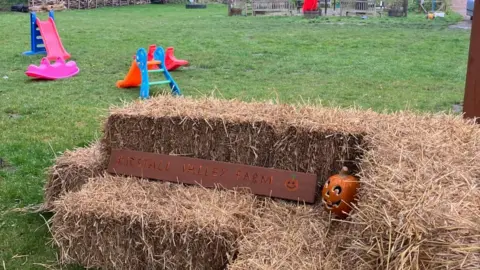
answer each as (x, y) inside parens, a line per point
(471, 102)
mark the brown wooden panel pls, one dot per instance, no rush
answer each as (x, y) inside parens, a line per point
(262, 181)
(471, 103)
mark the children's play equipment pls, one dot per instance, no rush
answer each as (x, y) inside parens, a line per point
(44, 38)
(171, 62)
(141, 67)
(47, 71)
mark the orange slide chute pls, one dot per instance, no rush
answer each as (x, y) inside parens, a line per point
(134, 77)
(51, 39)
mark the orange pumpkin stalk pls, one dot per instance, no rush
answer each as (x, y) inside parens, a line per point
(339, 192)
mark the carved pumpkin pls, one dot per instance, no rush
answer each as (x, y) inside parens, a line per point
(339, 192)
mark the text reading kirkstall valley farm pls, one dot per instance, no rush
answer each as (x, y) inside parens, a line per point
(262, 181)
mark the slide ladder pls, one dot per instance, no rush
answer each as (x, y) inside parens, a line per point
(36, 42)
(143, 64)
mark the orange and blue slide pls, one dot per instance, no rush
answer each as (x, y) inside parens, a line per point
(44, 38)
(142, 66)
(134, 77)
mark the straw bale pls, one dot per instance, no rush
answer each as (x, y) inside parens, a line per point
(259, 134)
(128, 223)
(419, 202)
(288, 236)
(71, 170)
(418, 206)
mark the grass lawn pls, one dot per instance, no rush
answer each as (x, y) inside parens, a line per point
(379, 63)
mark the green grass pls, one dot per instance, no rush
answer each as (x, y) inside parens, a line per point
(379, 63)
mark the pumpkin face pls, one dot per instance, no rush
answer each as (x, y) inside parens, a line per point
(291, 184)
(339, 192)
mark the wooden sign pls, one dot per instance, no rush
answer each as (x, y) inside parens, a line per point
(261, 181)
(471, 102)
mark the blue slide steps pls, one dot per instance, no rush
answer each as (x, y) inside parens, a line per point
(142, 63)
(36, 41)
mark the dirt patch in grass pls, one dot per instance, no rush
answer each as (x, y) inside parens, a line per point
(6, 166)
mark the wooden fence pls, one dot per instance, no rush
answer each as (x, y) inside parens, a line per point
(348, 7)
(266, 6)
(38, 5)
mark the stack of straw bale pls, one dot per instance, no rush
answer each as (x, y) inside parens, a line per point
(72, 170)
(418, 207)
(126, 223)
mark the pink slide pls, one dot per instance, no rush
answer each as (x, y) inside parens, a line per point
(51, 39)
(59, 70)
